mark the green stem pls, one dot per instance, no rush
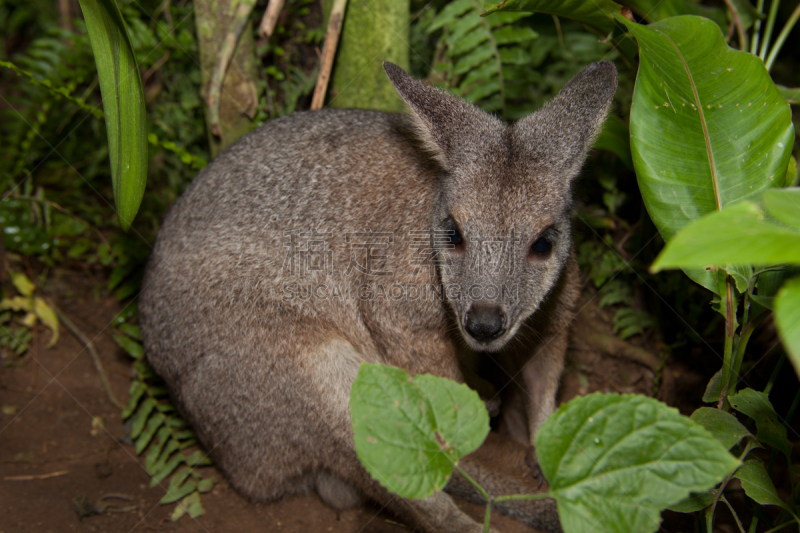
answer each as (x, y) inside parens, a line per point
(749, 328)
(513, 497)
(728, 376)
(773, 12)
(778, 528)
(735, 516)
(775, 374)
(489, 502)
(474, 484)
(782, 37)
(756, 28)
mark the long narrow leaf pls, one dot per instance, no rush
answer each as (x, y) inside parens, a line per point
(123, 104)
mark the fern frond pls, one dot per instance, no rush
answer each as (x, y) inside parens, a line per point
(477, 51)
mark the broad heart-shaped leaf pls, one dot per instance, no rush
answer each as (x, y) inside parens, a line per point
(410, 432)
(770, 430)
(597, 13)
(787, 318)
(708, 126)
(723, 426)
(615, 461)
(737, 234)
(123, 104)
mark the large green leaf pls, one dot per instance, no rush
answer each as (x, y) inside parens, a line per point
(770, 428)
(708, 126)
(655, 10)
(123, 104)
(737, 234)
(597, 13)
(614, 462)
(787, 318)
(410, 432)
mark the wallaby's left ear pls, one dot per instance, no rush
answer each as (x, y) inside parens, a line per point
(562, 132)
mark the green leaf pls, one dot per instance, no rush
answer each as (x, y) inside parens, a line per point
(155, 450)
(123, 104)
(410, 432)
(723, 426)
(770, 430)
(205, 485)
(135, 332)
(141, 417)
(22, 283)
(198, 458)
(737, 234)
(757, 484)
(48, 318)
(153, 424)
(787, 318)
(136, 391)
(168, 468)
(615, 461)
(694, 503)
(597, 13)
(655, 10)
(708, 126)
(133, 348)
(177, 488)
(792, 95)
(615, 138)
(784, 205)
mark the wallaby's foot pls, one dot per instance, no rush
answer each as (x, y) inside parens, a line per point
(337, 493)
(532, 460)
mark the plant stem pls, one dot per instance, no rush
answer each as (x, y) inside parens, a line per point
(729, 377)
(782, 37)
(756, 28)
(512, 497)
(488, 516)
(775, 374)
(773, 12)
(735, 516)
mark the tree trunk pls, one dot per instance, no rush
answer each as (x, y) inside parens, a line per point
(373, 31)
(239, 97)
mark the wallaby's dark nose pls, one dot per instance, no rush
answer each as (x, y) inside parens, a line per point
(485, 321)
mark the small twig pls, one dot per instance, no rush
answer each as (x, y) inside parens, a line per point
(238, 23)
(157, 65)
(31, 477)
(90, 346)
(328, 53)
(736, 20)
(270, 18)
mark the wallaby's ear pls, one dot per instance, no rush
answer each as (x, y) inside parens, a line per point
(444, 121)
(561, 133)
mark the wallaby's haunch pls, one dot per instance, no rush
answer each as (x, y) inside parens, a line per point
(437, 242)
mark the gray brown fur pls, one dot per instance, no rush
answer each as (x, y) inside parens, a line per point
(263, 374)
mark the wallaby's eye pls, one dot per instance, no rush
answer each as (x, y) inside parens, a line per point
(542, 247)
(453, 233)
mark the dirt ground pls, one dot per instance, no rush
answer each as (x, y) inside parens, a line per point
(60, 447)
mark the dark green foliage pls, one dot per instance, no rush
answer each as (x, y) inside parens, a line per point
(157, 430)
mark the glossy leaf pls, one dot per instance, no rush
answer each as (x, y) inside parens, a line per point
(737, 234)
(123, 104)
(784, 205)
(655, 10)
(410, 432)
(597, 13)
(787, 318)
(615, 461)
(708, 126)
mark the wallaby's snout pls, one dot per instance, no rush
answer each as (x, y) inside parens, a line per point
(485, 322)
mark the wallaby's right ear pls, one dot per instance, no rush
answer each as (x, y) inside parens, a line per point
(444, 121)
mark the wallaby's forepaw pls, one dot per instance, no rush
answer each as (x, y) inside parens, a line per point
(493, 406)
(532, 460)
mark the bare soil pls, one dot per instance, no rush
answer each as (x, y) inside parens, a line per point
(60, 450)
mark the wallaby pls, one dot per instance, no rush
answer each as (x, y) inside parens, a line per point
(437, 242)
